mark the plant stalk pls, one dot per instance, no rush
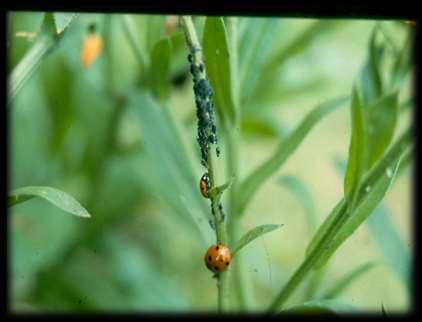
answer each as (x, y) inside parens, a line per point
(220, 226)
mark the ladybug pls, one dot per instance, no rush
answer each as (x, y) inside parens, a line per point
(92, 47)
(204, 185)
(218, 258)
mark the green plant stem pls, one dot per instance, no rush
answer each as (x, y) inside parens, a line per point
(222, 278)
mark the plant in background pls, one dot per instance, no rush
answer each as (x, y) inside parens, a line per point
(238, 67)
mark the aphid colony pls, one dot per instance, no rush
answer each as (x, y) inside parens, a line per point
(207, 130)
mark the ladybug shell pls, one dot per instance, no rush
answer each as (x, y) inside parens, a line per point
(91, 49)
(218, 258)
(203, 186)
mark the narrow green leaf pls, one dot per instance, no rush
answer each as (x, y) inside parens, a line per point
(57, 197)
(323, 306)
(403, 63)
(218, 191)
(62, 20)
(299, 43)
(154, 29)
(259, 127)
(382, 120)
(364, 207)
(391, 244)
(254, 52)
(217, 61)
(285, 148)
(253, 234)
(44, 43)
(355, 165)
(303, 195)
(386, 234)
(49, 24)
(370, 78)
(327, 226)
(341, 284)
(137, 47)
(160, 63)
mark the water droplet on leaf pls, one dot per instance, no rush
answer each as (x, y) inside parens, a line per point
(389, 172)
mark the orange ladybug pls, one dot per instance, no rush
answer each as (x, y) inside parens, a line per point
(204, 185)
(218, 258)
(92, 47)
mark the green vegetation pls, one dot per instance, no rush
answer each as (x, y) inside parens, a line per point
(300, 124)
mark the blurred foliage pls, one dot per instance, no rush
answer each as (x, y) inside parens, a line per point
(120, 138)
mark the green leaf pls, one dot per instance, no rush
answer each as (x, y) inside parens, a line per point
(168, 164)
(327, 226)
(341, 284)
(403, 63)
(299, 43)
(370, 78)
(364, 207)
(217, 63)
(268, 88)
(382, 120)
(138, 47)
(259, 127)
(57, 84)
(255, 46)
(57, 197)
(253, 234)
(321, 306)
(49, 24)
(154, 29)
(44, 43)
(160, 63)
(391, 244)
(62, 20)
(355, 165)
(218, 191)
(386, 234)
(303, 195)
(285, 148)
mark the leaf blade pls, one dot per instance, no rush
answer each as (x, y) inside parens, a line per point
(160, 67)
(55, 196)
(253, 234)
(360, 213)
(355, 164)
(217, 61)
(285, 148)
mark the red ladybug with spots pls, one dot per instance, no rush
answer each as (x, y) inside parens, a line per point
(218, 258)
(204, 185)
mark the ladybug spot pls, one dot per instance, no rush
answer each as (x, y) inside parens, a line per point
(216, 268)
(216, 247)
(227, 263)
(209, 258)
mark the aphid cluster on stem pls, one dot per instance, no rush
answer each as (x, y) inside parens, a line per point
(207, 129)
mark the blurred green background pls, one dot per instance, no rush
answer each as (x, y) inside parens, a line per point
(136, 169)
